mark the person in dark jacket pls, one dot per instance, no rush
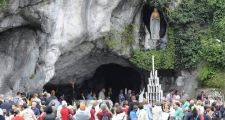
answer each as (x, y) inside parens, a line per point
(49, 115)
(208, 114)
(1, 115)
(192, 114)
(6, 105)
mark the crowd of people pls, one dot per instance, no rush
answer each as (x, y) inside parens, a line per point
(46, 106)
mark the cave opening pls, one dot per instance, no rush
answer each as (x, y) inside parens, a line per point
(106, 76)
(113, 76)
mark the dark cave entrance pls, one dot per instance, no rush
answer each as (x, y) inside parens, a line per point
(106, 76)
(113, 76)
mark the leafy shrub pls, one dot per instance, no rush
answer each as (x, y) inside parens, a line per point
(164, 58)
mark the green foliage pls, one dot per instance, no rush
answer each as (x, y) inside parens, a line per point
(127, 35)
(213, 52)
(120, 39)
(164, 58)
(186, 25)
(192, 21)
(199, 27)
(218, 22)
(110, 40)
(3, 3)
(211, 77)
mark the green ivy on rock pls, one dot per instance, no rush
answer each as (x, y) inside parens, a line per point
(3, 3)
(164, 58)
(211, 77)
(120, 39)
(199, 39)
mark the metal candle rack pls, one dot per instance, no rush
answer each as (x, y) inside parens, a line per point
(154, 92)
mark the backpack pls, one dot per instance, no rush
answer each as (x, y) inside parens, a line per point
(105, 116)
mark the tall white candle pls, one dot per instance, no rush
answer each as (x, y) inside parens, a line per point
(153, 65)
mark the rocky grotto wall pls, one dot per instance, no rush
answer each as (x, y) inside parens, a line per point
(43, 40)
(59, 41)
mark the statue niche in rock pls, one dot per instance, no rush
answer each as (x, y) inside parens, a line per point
(155, 28)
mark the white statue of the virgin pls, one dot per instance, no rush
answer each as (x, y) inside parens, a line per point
(155, 25)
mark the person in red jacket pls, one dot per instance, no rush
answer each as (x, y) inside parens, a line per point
(93, 111)
(17, 116)
(65, 112)
(104, 112)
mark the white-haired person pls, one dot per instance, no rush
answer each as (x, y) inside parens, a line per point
(104, 113)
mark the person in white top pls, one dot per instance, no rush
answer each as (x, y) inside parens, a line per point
(101, 95)
(142, 114)
(157, 112)
(27, 113)
(120, 115)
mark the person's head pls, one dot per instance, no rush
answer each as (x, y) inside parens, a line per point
(33, 104)
(103, 107)
(194, 110)
(24, 100)
(188, 99)
(35, 95)
(133, 97)
(16, 112)
(18, 93)
(129, 91)
(103, 89)
(135, 107)
(125, 103)
(53, 93)
(213, 104)
(192, 102)
(121, 91)
(140, 106)
(48, 109)
(45, 94)
(43, 108)
(82, 106)
(176, 105)
(110, 89)
(175, 92)
(64, 103)
(199, 102)
(93, 103)
(202, 92)
(155, 10)
(217, 107)
(116, 105)
(166, 105)
(14, 107)
(119, 110)
(24, 106)
(40, 95)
